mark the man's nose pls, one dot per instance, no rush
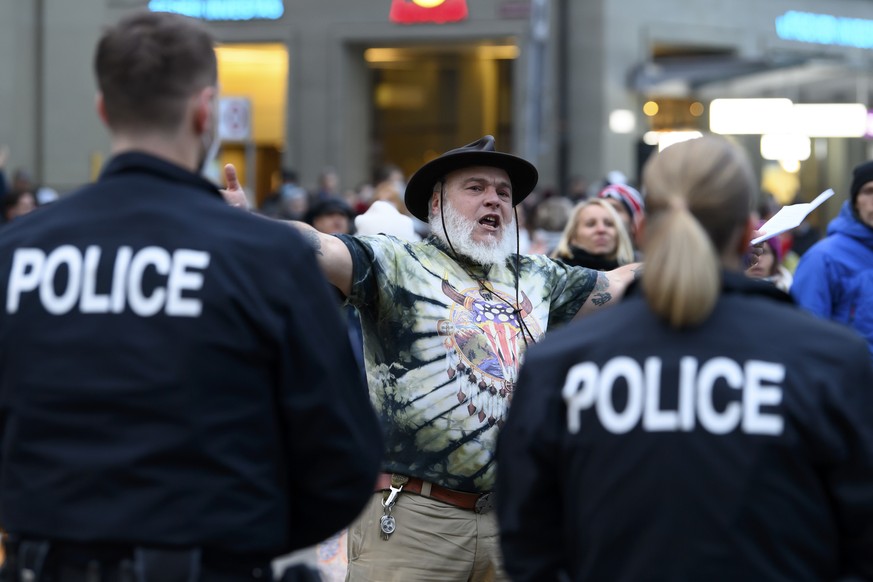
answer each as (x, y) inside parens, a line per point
(491, 196)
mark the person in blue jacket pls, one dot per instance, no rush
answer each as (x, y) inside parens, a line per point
(179, 399)
(705, 428)
(834, 278)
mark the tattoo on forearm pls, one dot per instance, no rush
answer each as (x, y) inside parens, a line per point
(601, 298)
(638, 272)
(314, 241)
(600, 294)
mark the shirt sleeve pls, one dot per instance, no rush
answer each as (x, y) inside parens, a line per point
(571, 287)
(333, 437)
(528, 492)
(365, 252)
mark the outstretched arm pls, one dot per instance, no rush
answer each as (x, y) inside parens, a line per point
(610, 287)
(333, 256)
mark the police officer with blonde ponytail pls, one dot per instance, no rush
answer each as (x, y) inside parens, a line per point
(703, 429)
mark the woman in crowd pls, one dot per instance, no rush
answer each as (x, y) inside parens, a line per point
(769, 265)
(595, 237)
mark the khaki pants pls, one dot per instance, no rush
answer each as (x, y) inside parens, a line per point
(433, 541)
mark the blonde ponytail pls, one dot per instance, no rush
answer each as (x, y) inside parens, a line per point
(698, 198)
(681, 279)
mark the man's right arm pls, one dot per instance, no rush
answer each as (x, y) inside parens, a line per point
(332, 254)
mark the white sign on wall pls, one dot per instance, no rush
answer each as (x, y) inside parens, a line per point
(234, 119)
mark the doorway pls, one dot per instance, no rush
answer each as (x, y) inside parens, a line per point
(429, 99)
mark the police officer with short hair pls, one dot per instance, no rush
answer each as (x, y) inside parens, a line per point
(703, 429)
(178, 396)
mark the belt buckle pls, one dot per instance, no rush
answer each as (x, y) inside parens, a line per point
(485, 503)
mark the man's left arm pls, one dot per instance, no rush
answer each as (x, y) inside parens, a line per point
(610, 286)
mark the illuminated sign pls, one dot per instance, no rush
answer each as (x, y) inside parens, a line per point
(435, 11)
(222, 9)
(825, 29)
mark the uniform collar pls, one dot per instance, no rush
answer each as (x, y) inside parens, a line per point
(139, 162)
(736, 283)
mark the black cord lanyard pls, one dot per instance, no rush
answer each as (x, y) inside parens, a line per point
(483, 284)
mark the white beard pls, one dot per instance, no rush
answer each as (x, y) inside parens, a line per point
(460, 231)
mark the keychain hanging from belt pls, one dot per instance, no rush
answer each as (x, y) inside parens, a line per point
(387, 523)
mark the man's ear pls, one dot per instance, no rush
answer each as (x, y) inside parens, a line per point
(435, 200)
(205, 110)
(100, 107)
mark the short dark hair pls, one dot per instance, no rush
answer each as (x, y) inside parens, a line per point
(149, 64)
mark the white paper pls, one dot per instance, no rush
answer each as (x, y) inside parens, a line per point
(790, 217)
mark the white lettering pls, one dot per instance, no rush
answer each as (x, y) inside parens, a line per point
(585, 376)
(59, 304)
(687, 374)
(612, 420)
(757, 394)
(710, 418)
(754, 385)
(91, 302)
(136, 298)
(147, 282)
(655, 419)
(119, 276)
(26, 270)
(181, 280)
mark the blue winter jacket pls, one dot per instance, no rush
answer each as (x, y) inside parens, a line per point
(834, 278)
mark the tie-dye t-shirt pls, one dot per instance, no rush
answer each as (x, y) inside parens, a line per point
(442, 349)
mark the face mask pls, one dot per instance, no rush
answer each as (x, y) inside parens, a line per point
(211, 152)
(211, 144)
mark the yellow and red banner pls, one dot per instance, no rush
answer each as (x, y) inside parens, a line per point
(433, 11)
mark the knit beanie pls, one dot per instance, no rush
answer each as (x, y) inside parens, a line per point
(862, 174)
(628, 196)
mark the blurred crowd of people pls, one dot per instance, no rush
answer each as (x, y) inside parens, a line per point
(605, 384)
(593, 225)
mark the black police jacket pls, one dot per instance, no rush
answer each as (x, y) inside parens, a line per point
(741, 449)
(174, 371)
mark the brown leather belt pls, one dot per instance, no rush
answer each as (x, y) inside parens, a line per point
(478, 502)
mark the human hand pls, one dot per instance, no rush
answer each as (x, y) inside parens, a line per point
(233, 193)
(750, 259)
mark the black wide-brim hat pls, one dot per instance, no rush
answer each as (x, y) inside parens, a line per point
(522, 174)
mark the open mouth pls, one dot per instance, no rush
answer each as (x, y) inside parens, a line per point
(491, 221)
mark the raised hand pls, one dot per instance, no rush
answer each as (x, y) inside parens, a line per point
(233, 192)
